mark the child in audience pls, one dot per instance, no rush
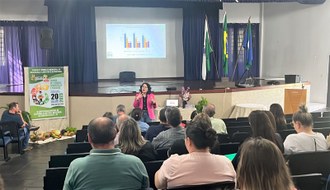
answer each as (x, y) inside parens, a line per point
(262, 166)
(306, 139)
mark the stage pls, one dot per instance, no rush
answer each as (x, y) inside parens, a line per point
(88, 101)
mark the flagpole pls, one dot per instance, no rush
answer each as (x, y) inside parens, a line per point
(213, 56)
(239, 53)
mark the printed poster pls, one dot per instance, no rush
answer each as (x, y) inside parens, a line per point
(46, 92)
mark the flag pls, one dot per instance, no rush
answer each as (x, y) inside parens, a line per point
(206, 64)
(247, 45)
(225, 46)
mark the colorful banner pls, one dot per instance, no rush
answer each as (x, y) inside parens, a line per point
(46, 92)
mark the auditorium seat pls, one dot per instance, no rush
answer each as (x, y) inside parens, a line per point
(5, 140)
(152, 167)
(63, 160)
(225, 185)
(326, 114)
(81, 147)
(15, 131)
(54, 178)
(310, 162)
(162, 154)
(311, 181)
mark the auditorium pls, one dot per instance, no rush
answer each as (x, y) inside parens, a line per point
(74, 66)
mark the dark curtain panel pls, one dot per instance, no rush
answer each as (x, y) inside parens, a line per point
(73, 24)
(193, 40)
(21, 48)
(236, 52)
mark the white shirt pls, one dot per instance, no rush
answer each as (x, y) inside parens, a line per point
(303, 142)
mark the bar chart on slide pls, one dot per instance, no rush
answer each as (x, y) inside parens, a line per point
(135, 41)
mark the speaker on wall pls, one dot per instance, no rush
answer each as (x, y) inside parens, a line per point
(46, 38)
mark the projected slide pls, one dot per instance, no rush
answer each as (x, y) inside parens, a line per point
(135, 41)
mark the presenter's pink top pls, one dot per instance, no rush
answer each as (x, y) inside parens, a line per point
(150, 106)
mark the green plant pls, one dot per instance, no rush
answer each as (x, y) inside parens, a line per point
(200, 104)
(26, 115)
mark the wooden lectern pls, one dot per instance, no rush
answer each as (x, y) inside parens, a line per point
(293, 98)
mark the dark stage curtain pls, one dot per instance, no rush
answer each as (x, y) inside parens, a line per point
(193, 40)
(236, 52)
(21, 48)
(73, 24)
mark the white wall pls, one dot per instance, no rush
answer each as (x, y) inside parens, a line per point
(31, 10)
(240, 12)
(297, 41)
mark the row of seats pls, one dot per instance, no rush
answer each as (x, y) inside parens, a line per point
(9, 133)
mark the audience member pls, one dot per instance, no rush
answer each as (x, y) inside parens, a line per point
(137, 114)
(217, 124)
(131, 142)
(153, 131)
(119, 122)
(14, 114)
(199, 166)
(106, 167)
(120, 110)
(165, 139)
(261, 126)
(145, 100)
(305, 139)
(193, 114)
(273, 122)
(278, 113)
(262, 166)
(179, 146)
(109, 115)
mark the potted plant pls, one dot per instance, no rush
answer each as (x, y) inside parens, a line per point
(200, 104)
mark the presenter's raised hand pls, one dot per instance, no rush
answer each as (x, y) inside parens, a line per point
(139, 96)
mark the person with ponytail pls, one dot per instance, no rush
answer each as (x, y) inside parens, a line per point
(199, 166)
(306, 139)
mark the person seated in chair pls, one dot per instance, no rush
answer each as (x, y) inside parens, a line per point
(153, 131)
(199, 166)
(306, 139)
(106, 167)
(14, 114)
(217, 124)
(262, 166)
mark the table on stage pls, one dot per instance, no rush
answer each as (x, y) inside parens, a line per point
(243, 110)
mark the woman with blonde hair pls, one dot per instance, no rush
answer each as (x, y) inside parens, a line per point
(131, 141)
(262, 166)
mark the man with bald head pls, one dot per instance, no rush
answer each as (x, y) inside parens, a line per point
(217, 124)
(106, 167)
